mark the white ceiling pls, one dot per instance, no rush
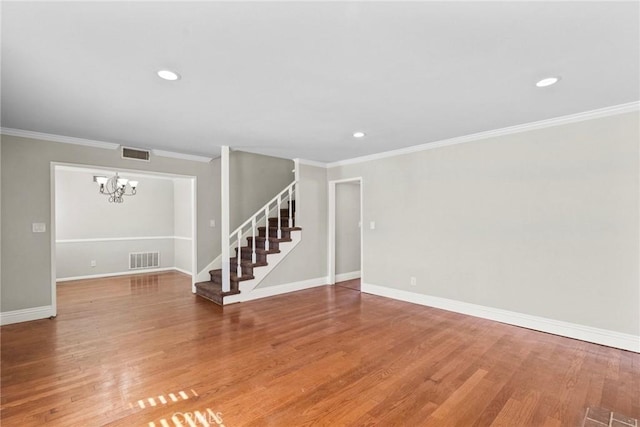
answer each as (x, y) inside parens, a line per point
(296, 79)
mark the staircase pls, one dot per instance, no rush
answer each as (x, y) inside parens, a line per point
(255, 255)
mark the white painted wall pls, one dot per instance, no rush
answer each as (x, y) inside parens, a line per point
(543, 222)
(348, 229)
(81, 212)
(89, 228)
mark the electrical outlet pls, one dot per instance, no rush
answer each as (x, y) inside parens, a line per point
(412, 281)
(93, 263)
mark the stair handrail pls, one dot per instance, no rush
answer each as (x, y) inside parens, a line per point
(253, 220)
(262, 209)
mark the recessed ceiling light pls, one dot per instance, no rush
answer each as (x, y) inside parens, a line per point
(548, 81)
(168, 75)
(358, 134)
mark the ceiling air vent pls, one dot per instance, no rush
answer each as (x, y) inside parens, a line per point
(135, 154)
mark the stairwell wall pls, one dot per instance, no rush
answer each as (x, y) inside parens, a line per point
(543, 223)
(308, 261)
(254, 179)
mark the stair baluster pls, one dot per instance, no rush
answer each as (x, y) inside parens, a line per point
(290, 209)
(279, 214)
(266, 223)
(239, 257)
(253, 240)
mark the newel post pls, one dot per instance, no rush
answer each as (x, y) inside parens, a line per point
(224, 221)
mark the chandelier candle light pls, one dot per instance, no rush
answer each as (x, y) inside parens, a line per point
(116, 187)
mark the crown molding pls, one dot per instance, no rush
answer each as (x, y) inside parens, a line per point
(59, 138)
(174, 155)
(557, 121)
(93, 143)
(311, 163)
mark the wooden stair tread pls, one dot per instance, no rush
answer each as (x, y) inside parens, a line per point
(234, 278)
(281, 228)
(215, 288)
(247, 263)
(213, 292)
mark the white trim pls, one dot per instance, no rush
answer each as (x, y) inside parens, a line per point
(348, 276)
(181, 270)
(59, 138)
(552, 326)
(310, 163)
(181, 156)
(270, 291)
(121, 239)
(122, 273)
(52, 237)
(557, 121)
(194, 232)
(296, 177)
(26, 315)
(224, 218)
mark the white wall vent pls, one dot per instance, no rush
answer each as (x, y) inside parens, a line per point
(135, 154)
(138, 260)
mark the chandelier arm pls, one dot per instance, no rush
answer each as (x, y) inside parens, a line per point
(116, 192)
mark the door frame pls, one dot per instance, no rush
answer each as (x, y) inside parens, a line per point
(331, 235)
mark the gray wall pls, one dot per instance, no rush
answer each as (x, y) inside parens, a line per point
(347, 227)
(543, 222)
(309, 259)
(26, 198)
(254, 179)
(182, 224)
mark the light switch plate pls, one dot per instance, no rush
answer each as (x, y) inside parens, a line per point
(372, 225)
(38, 227)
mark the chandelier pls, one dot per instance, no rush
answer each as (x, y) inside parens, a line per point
(116, 187)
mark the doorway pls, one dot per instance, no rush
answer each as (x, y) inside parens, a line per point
(91, 237)
(345, 249)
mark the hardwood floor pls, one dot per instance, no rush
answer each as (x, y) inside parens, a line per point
(143, 350)
(353, 284)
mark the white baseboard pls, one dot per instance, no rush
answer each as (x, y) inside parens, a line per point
(271, 291)
(122, 273)
(556, 327)
(188, 273)
(26, 315)
(348, 276)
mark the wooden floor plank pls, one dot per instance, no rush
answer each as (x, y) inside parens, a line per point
(122, 350)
